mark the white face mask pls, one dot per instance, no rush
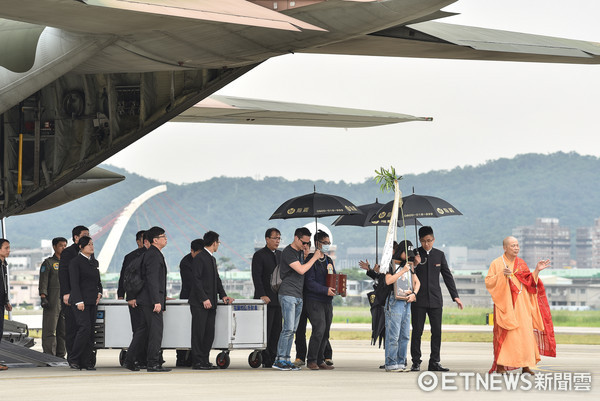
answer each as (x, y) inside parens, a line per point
(325, 248)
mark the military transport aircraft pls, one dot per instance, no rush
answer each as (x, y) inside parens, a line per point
(82, 79)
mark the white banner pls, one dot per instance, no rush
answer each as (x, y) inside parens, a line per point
(388, 248)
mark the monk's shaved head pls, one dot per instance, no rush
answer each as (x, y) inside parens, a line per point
(511, 247)
(508, 240)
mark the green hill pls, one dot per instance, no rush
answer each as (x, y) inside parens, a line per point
(494, 198)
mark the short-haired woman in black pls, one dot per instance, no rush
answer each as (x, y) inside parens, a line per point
(86, 291)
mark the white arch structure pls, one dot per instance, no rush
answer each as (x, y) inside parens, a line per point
(108, 250)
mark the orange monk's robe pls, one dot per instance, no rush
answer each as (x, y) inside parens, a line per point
(522, 321)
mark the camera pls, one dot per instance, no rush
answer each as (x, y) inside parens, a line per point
(411, 255)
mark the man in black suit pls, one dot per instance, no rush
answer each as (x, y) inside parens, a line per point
(151, 301)
(429, 300)
(135, 315)
(67, 255)
(206, 285)
(4, 290)
(264, 262)
(184, 357)
(139, 240)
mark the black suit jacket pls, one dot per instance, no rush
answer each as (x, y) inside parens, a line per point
(154, 273)
(3, 284)
(264, 262)
(206, 283)
(126, 261)
(85, 282)
(428, 272)
(185, 270)
(66, 256)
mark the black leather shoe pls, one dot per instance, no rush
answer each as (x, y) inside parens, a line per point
(157, 368)
(204, 366)
(437, 367)
(74, 366)
(131, 366)
(382, 367)
(416, 366)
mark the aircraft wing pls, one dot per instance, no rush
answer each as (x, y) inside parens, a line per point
(126, 16)
(448, 41)
(234, 110)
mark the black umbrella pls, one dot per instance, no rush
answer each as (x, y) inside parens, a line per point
(365, 220)
(377, 320)
(314, 205)
(417, 206)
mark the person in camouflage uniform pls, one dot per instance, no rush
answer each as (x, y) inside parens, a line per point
(53, 323)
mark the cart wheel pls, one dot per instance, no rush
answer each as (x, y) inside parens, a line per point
(122, 356)
(255, 359)
(223, 360)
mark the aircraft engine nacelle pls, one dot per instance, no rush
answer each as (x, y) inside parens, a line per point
(56, 123)
(33, 56)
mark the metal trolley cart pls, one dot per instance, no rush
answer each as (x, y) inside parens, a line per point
(241, 325)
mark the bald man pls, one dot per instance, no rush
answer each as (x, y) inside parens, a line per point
(523, 327)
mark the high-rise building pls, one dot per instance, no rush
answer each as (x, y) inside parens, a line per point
(546, 239)
(588, 246)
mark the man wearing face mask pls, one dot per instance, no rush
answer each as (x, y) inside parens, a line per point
(318, 298)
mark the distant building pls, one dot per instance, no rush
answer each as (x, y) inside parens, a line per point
(24, 266)
(464, 258)
(546, 239)
(588, 246)
(573, 289)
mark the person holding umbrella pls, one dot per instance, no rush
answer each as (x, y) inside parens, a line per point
(429, 300)
(293, 268)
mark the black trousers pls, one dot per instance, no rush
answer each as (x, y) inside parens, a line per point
(1, 316)
(418, 315)
(203, 333)
(70, 326)
(300, 340)
(320, 315)
(136, 316)
(83, 342)
(148, 335)
(274, 320)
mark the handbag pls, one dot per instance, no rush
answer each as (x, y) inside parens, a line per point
(276, 278)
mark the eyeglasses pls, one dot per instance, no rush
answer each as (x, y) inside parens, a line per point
(162, 236)
(275, 238)
(305, 243)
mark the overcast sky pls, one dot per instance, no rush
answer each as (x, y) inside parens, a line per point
(482, 110)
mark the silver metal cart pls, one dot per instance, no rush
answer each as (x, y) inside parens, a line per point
(241, 325)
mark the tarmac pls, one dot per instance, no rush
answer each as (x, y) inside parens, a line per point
(572, 375)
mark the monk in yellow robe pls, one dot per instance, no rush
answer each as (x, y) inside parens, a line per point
(523, 327)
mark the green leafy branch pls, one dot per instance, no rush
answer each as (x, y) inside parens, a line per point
(386, 178)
